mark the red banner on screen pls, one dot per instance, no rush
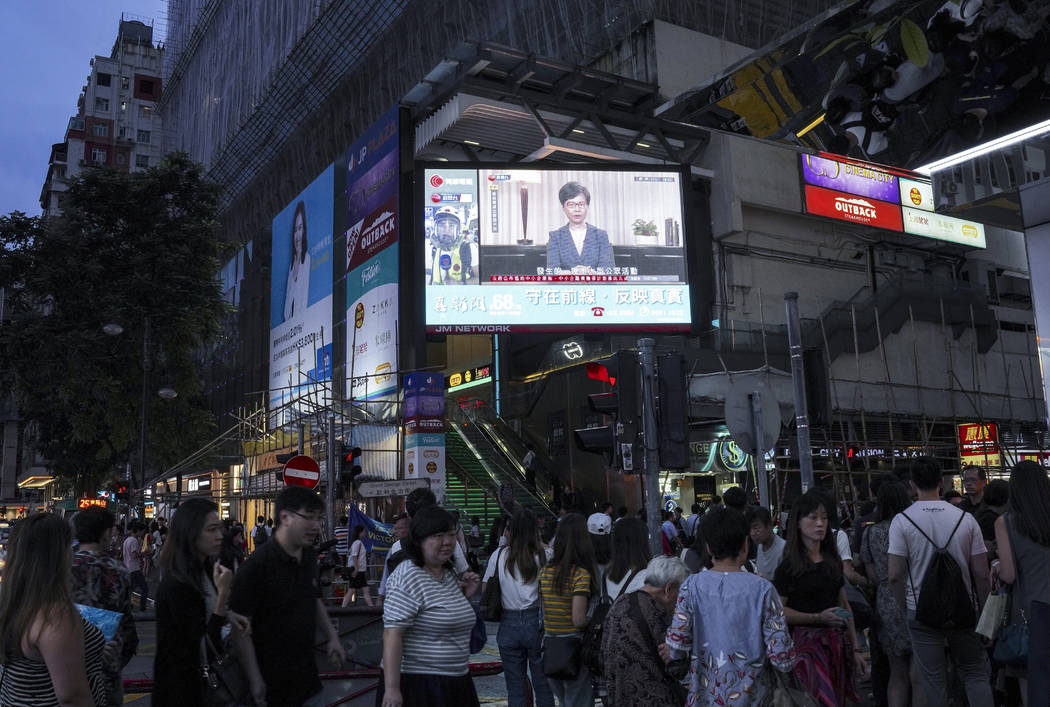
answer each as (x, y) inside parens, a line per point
(853, 209)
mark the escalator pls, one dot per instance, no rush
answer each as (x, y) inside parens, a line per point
(481, 456)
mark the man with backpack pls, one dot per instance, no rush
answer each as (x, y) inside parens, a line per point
(259, 533)
(938, 571)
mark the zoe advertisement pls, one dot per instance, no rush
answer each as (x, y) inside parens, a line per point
(301, 301)
(513, 249)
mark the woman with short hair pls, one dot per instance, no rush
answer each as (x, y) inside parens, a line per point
(51, 656)
(427, 619)
(730, 621)
(357, 562)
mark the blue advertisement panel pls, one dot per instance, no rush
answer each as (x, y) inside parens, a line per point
(541, 249)
(301, 300)
(371, 200)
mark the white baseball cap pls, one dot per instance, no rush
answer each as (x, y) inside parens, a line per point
(599, 524)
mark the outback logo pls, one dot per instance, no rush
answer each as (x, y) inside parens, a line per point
(855, 207)
(916, 196)
(383, 225)
(370, 272)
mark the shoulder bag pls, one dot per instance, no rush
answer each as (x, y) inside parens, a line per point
(492, 598)
(1012, 646)
(223, 681)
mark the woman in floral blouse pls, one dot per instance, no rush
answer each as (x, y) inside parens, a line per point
(731, 622)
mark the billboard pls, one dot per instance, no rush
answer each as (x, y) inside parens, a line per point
(852, 208)
(371, 203)
(541, 249)
(301, 301)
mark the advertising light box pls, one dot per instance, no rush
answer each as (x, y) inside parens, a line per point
(539, 249)
(943, 228)
(852, 208)
(917, 194)
(849, 177)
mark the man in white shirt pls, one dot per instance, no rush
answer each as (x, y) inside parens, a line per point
(670, 532)
(692, 522)
(910, 555)
(768, 546)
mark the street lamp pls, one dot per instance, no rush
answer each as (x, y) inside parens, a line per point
(166, 392)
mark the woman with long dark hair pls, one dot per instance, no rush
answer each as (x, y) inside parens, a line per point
(51, 656)
(891, 628)
(191, 600)
(427, 619)
(630, 557)
(1023, 537)
(518, 565)
(566, 586)
(810, 583)
(297, 288)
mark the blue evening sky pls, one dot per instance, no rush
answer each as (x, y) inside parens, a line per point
(44, 53)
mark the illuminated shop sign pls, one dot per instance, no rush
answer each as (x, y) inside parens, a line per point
(469, 378)
(943, 228)
(852, 208)
(849, 177)
(917, 194)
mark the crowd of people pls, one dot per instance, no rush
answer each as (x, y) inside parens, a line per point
(741, 607)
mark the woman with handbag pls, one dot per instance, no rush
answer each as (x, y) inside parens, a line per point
(566, 586)
(730, 621)
(427, 619)
(512, 580)
(1023, 537)
(891, 628)
(357, 561)
(810, 583)
(191, 602)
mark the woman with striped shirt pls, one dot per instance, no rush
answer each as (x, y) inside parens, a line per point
(427, 620)
(566, 586)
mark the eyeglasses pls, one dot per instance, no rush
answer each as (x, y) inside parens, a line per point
(311, 518)
(576, 205)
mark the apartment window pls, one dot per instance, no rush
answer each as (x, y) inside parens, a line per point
(122, 132)
(102, 79)
(102, 104)
(98, 155)
(142, 136)
(145, 112)
(100, 129)
(142, 161)
(125, 83)
(76, 123)
(123, 104)
(146, 86)
(122, 159)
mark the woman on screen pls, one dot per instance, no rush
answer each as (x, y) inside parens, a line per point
(578, 247)
(298, 287)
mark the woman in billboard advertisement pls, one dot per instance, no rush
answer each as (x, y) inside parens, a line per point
(578, 247)
(297, 289)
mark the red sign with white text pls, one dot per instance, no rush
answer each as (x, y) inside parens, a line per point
(302, 470)
(853, 209)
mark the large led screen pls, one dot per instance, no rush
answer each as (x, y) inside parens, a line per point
(518, 249)
(301, 301)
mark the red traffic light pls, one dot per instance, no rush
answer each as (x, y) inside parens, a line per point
(600, 372)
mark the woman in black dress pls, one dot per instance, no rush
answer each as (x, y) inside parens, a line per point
(191, 600)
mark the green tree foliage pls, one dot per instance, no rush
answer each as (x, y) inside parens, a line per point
(130, 249)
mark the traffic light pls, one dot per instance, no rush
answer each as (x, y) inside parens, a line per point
(673, 408)
(120, 492)
(615, 441)
(349, 464)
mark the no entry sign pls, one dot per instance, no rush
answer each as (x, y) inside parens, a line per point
(302, 471)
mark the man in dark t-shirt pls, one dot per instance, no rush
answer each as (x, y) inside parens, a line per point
(276, 588)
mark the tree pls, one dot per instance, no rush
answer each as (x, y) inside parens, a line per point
(136, 249)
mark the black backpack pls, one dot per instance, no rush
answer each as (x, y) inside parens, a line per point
(943, 601)
(259, 535)
(591, 650)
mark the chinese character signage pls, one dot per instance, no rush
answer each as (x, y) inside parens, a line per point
(979, 444)
(372, 203)
(552, 249)
(943, 228)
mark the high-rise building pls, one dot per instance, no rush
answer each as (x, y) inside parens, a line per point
(116, 124)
